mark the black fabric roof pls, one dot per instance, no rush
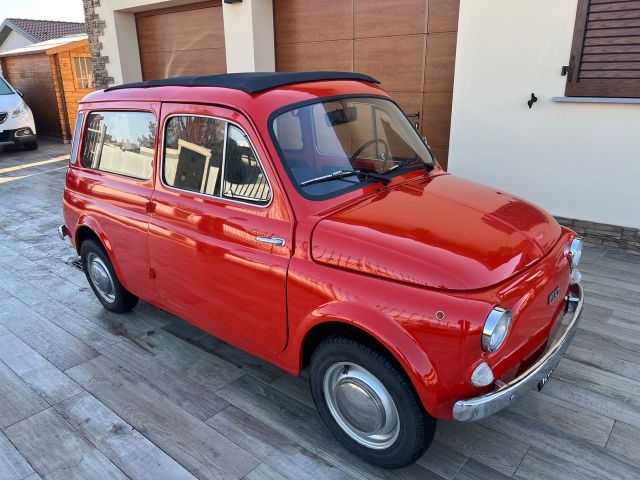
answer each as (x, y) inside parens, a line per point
(252, 82)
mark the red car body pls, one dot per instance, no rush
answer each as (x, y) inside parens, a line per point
(417, 264)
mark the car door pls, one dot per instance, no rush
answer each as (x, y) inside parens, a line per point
(220, 231)
(112, 184)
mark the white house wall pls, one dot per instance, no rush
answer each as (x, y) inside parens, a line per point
(577, 160)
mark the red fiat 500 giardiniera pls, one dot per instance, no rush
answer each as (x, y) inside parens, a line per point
(301, 217)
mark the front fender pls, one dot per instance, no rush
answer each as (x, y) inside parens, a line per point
(391, 335)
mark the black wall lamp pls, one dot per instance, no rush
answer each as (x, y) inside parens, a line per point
(533, 100)
(232, 1)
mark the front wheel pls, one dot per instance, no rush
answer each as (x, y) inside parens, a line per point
(368, 403)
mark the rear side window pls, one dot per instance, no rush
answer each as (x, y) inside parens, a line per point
(120, 142)
(213, 157)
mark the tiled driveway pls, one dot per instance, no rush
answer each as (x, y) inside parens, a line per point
(88, 394)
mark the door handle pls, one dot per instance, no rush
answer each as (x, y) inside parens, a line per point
(278, 242)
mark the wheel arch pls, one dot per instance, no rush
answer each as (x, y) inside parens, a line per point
(88, 229)
(385, 335)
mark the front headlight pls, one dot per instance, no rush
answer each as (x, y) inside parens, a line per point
(495, 329)
(21, 110)
(575, 252)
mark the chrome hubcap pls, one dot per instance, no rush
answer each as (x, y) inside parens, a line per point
(101, 278)
(361, 405)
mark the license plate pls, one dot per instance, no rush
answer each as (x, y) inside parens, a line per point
(543, 382)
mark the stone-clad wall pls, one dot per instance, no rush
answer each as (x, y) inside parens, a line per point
(95, 28)
(626, 239)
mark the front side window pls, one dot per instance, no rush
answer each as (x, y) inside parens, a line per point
(244, 178)
(210, 156)
(193, 153)
(120, 142)
(350, 137)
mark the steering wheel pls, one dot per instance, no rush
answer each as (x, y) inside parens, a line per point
(367, 144)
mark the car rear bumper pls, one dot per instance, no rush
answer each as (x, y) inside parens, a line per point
(490, 403)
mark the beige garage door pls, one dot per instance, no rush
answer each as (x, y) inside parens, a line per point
(409, 45)
(185, 40)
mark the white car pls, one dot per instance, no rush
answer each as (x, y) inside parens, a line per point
(16, 120)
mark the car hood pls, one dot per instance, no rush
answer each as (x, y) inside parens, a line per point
(9, 102)
(440, 231)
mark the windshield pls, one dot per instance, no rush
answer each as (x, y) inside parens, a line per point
(5, 89)
(350, 134)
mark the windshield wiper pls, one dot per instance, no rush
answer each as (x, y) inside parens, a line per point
(343, 174)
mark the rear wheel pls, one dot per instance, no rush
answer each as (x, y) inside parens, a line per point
(103, 279)
(368, 403)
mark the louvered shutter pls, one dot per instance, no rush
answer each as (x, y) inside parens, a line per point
(605, 57)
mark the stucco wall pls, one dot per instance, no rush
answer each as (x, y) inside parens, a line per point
(576, 160)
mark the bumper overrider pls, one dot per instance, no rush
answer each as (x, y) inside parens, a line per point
(535, 377)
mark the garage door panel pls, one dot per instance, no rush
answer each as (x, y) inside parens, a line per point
(335, 55)
(441, 62)
(409, 45)
(185, 40)
(443, 16)
(209, 61)
(436, 124)
(395, 61)
(200, 28)
(376, 18)
(313, 20)
(31, 74)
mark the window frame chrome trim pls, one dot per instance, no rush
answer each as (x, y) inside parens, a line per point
(223, 164)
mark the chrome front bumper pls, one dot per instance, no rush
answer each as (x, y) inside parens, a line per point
(490, 403)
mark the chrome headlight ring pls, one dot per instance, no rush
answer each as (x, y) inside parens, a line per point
(495, 329)
(575, 252)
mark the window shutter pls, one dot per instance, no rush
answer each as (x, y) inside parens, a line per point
(605, 57)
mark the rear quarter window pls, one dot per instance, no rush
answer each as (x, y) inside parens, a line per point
(120, 142)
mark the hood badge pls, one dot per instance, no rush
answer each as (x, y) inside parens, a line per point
(555, 294)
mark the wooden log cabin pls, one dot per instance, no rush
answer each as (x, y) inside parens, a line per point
(52, 76)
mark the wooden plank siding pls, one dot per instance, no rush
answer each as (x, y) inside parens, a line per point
(32, 75)
(72, 94)
(410, 48)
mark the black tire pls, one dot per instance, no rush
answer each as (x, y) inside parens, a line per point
(123, 300)
(417, 427)
(31, 145)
